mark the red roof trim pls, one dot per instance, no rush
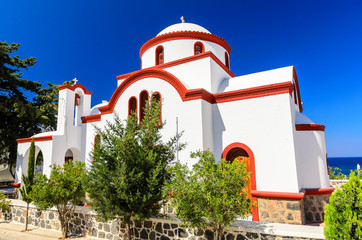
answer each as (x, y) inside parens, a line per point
(309, 127)
(73, 87)
(192, 94)
(184, 35)
(91, 118)
(182, 61)
(279, 195)
(298, 92)
(318, 191)
(36, 139)
(254, 92)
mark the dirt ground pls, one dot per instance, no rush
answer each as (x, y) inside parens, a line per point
(11, 231)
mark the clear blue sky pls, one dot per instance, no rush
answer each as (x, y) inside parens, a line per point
(97, 40)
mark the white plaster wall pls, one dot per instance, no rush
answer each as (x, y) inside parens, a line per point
(207, 127)
(179, 49)
(258, 79)
(311, 153)
(265, 125)
(189, 115)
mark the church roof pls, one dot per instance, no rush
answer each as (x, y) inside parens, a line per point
(179, 27)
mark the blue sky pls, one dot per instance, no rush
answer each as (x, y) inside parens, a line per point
(95, 41)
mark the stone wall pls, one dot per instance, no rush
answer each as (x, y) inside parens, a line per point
(84, 224)
(281, 211)
(314, 207)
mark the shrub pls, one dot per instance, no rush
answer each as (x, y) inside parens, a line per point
(343, 215)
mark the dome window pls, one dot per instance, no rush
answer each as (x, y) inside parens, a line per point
(159, 55)
(227, 60)
(198, 48)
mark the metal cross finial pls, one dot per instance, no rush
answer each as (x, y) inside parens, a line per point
(182, 19)
(75, 80)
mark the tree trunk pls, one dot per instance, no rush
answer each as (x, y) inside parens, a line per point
(128, 232)
(26, 218)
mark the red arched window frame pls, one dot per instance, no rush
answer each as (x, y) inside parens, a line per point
(132, 106)
(160, 55)
(198, 48)
(227, 64)
(143, 101)
(76, 100)
(156, 96)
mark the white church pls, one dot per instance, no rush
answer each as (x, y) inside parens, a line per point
(257, 116)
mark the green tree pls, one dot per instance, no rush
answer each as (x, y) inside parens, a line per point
(211, 195)
(22, 116)
(63, 190)
(4, 204)
(335, 173)
(343, 215)
(129, 168)
(28, 181)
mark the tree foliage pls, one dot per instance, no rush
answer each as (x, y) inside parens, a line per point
(63, 190)
(211, 195)
(28, 180)
(129, 168)
(335, 173)
(21, 115)
(4, 204)
(343, 215)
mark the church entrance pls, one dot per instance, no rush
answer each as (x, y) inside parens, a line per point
(239, 154)
(68, 156)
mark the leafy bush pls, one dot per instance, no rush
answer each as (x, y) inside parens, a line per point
(210, 196)
(335, 173)
(343, 215)
(4, 204)
(63, 190)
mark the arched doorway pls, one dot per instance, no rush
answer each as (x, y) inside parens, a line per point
(243, 152)
(239, 154)
(68, 156)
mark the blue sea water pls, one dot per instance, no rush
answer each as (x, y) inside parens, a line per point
(346, 164)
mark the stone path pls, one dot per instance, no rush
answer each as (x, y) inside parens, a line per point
(11, 231)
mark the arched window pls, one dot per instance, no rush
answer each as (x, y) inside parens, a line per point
(76, 100)
(132, 106)
(157, 98)
(198, 48)
(143, 102)
(227, 60)
(159, 55)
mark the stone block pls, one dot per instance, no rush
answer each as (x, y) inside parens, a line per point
(159, 227)
(147, 224)
(182, 233)
(144, 234)
(106, 228)
(109, 236)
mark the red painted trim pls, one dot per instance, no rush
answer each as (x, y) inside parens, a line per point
(227, 60)
(254, 92)
(17, 185)
(91, 118)
(198, 93)
(252, 169)
(279, 195)
(298, 92)
(146, 73)
(36, 139)
(309, 127)
(157, 55)
(318, 191)
(182, 61)
(73, 87)
(184, 35)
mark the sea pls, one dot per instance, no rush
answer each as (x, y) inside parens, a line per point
(346, 164)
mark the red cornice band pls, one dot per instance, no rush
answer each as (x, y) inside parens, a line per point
(279, 195)
(91, 118)
(318, 191)
(184, 35)
(36, 139)
(73, 87)
(309, 127)
(298, 92)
